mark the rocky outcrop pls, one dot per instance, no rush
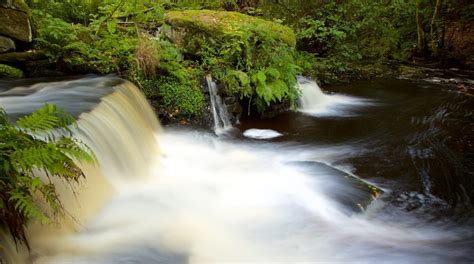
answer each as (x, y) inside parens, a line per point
(15, 34)
(15, 23)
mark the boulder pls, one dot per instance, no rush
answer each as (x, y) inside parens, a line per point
(10, 72)
(15, 23)
(230, 25)
(6, 44)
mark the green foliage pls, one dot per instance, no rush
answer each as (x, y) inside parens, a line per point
(165, 76)
(341, 35)
(72, 11)
(7, 71)
(253, 57)
(31, 148)
(178, 99)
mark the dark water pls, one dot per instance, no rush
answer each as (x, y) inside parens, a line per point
(410, 136)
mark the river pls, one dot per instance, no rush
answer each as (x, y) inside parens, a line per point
(373, 171)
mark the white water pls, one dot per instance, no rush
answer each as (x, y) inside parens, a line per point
(219, 109)
(315, 102)
(206, 200)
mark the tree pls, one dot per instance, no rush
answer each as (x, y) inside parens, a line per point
(39, 144)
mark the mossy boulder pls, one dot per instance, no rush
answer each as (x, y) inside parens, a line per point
(229, 24)
(253, 58)
(10, 72)
(15, 21)
(15, 24)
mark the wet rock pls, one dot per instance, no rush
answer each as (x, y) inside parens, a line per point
(7, 71)
(6, 44)
(411, 201)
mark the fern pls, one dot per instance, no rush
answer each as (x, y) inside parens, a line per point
(25, 205)
(29, 147)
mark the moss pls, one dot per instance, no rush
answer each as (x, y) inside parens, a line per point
(230, 24)
(21, 5)
(10, 72)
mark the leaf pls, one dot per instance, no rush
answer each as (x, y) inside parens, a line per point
(272, 72)
(111, 27)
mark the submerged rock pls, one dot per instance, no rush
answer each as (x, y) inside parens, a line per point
(261, 133)
(350, 191)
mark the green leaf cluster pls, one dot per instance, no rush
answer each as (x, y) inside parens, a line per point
(38, 144)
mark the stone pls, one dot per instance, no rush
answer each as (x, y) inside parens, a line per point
(7, 71)
(15, 24)
(15, 57)
(14, 4)
(6, 44)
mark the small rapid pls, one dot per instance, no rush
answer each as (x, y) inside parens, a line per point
(315, 102)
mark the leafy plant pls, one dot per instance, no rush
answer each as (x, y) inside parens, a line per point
(39, 144)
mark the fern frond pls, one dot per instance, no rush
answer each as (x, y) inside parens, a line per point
(27, 207)
(45, 119)
(42, 121)
(3, 117)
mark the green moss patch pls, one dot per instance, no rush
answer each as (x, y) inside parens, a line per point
(10, 72)
(230, 24)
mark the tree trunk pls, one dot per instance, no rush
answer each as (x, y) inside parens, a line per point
(433, 29)
(420, 30)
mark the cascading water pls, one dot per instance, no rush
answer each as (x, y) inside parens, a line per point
(313, 101)
(203, 199)
(219, 108)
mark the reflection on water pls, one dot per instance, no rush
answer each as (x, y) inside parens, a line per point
(292, 198)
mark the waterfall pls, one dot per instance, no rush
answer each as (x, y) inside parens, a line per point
(116, 122)
(219, 108)
(311, 95)
(121, 131)
(313, 101)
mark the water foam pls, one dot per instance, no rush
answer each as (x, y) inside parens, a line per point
(315, 102)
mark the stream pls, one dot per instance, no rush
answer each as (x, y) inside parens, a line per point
(371, 171)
